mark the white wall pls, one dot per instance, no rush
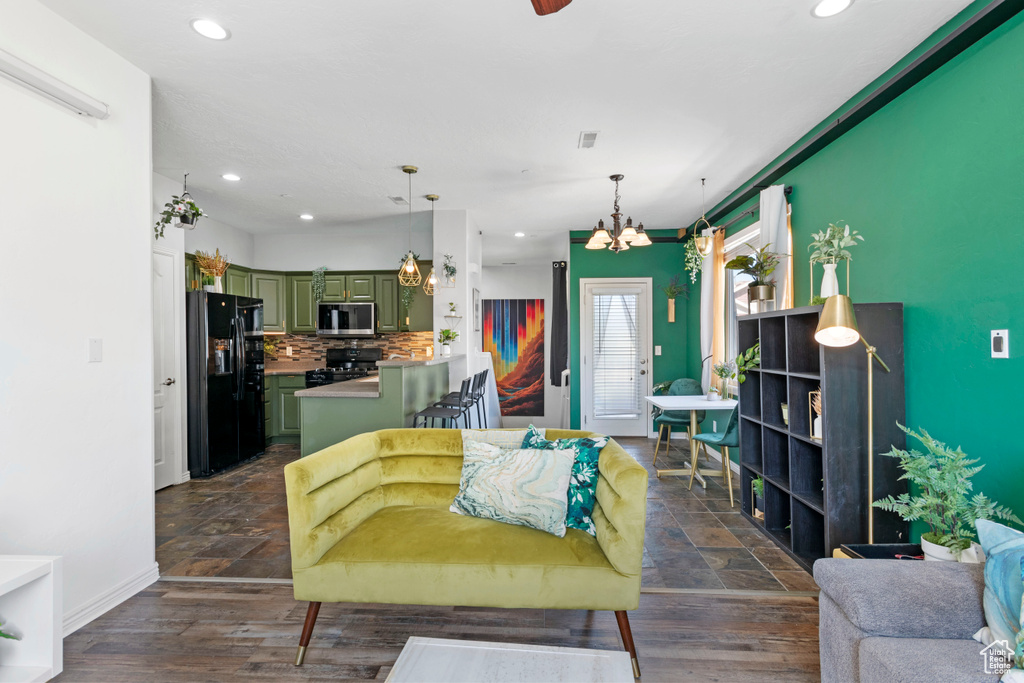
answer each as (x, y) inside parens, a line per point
(370, 245)
(76, 438)
(527, 282)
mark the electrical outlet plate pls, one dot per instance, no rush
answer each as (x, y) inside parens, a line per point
(1000, 344)
(95, 350)
(657, 350)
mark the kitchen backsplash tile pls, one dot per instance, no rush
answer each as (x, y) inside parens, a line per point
(309, 347)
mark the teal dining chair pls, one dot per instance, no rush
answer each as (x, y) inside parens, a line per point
(730, 438)
(668, 419)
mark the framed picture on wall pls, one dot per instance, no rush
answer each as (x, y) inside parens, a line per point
(476, 309)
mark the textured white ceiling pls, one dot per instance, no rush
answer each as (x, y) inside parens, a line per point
(325, 100)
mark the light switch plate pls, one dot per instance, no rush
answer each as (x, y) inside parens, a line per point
(95, 350)
(1000, 343)
(657, 350)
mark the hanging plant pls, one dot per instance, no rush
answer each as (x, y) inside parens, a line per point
(181, 209)
(449, 269)
(693, 261)
(319, 283)
(408, 294)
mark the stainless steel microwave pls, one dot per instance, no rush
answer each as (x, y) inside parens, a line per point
(346, 320)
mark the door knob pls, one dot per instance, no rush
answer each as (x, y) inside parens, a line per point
(643, 372)
(168, 382)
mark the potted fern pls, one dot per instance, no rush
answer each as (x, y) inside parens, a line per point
(942, 477)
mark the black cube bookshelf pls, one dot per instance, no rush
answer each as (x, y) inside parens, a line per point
(815, 492)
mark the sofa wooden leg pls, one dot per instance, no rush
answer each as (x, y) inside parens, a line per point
(307, 632)
(627, 640)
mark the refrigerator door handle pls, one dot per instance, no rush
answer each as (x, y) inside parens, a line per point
(240, 332)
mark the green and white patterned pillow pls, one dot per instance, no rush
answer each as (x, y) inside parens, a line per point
(524, 486)
(583, 484)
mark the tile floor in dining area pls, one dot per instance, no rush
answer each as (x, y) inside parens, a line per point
(235, 525)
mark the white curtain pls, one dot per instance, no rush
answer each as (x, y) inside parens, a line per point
(707, 320)
(775, 230)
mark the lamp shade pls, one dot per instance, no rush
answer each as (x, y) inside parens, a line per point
(838, 324)
(641, 239)
(601, 235)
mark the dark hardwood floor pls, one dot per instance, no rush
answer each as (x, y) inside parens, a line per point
(225, 632)
(234, 525)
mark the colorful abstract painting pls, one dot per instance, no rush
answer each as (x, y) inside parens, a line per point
(513, 333)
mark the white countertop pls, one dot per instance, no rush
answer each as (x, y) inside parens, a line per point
(408, 362)
(364, 387)
(691, 403)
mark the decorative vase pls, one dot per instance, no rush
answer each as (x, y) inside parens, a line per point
(816, 428)
(218, 286)
(829, 281)
(671, 310)
(446, 350)
(724, 391)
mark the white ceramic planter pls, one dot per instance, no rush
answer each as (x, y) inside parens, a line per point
(940, 553)
(446, 350)
(829, 281)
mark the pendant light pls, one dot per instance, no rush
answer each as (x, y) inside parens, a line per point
(704, 241)
(621, 236)
(409, 274)
(431, 282)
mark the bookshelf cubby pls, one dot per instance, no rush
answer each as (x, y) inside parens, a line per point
(816, 489)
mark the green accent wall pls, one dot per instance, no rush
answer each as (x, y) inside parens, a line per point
(935, 183)
(658, 262)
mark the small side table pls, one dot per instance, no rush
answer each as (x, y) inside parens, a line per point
(31, 602)
(693, 404)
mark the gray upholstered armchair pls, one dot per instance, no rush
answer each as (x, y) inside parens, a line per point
(900, 622)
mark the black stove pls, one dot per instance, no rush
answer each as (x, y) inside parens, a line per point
(343, 365)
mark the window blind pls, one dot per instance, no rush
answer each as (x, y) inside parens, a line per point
(616, 362)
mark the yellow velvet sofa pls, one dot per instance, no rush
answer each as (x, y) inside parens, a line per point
(369, 522)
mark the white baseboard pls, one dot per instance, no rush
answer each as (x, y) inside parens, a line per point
(101, 604)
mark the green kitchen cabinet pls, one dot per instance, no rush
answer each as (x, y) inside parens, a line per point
(287, 408)
(271, 288)
(420, 315)
(387, 303)
(192, 274)
(335, 289)
(301, 307)
(236, 281)
(342, 288)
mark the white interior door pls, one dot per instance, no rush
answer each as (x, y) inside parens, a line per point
(615, 355)
(167, 383)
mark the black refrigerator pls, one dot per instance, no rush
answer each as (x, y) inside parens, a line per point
(225, 381)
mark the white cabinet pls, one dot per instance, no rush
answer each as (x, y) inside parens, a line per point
(31, 608)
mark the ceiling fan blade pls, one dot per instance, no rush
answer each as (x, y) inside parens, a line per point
(549, 6)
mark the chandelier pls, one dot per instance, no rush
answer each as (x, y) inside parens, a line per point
(621, 237)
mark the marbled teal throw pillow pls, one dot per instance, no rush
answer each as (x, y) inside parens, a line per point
(583, 483)
(523, 486)
(1004, 587)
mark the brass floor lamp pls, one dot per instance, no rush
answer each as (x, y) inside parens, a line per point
(837, 327)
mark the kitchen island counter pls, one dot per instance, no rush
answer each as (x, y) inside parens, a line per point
(416, 362)
(335, 412)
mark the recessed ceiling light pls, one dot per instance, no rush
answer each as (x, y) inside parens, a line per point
(210, 29)
(830, 8)
(306, 216)
(520, 234)
(231, 176)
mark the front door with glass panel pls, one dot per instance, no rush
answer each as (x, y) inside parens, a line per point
(615, 365)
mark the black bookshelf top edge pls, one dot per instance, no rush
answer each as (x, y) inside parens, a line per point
(804, 310)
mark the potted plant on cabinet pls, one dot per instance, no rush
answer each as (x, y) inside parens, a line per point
(830, 248)
(214, 265)
(757, 489)
(673, 289)
(943, 478)
(446, 337)
(759, 265)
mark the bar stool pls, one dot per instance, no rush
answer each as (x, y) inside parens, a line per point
(449, 416)
(481, 394)
(462, 400)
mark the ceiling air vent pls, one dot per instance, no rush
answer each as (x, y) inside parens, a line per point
(398, 200)
(588, 138)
